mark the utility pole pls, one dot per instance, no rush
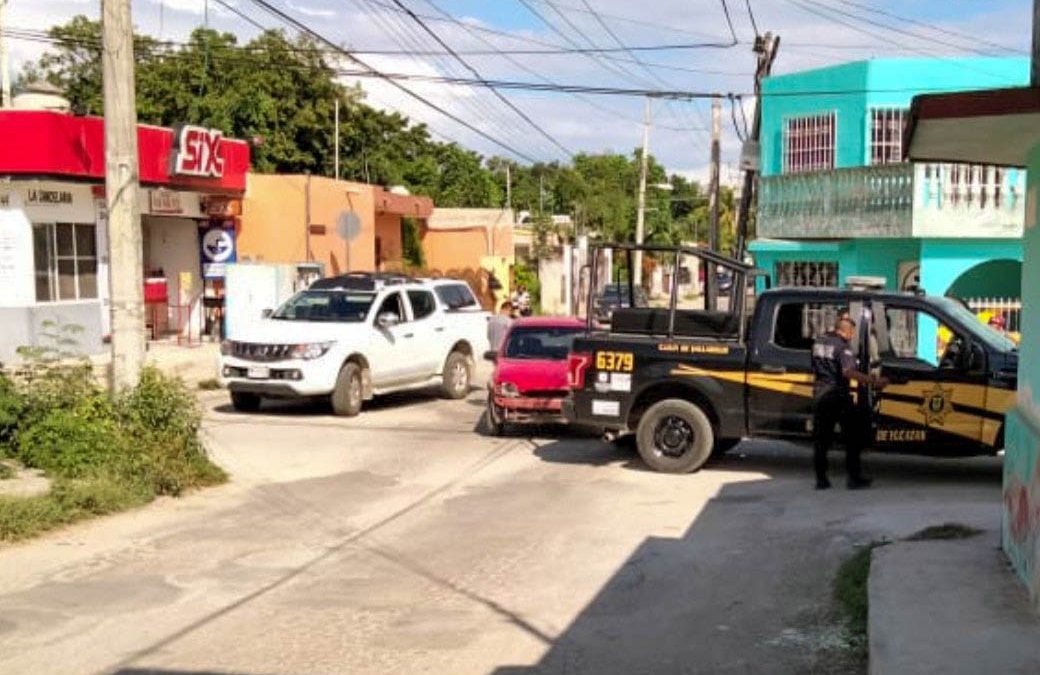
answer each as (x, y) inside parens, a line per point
(126, 267)
(711, 285)
(765, 46)
(637, 261)
(5, 72)
(336, 134)
(509, 187)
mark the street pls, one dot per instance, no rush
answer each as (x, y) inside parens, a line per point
(401, 541)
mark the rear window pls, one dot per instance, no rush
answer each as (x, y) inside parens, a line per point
(456, 296)
(550, 344)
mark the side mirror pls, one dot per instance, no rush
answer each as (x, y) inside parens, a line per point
(491, 355)
(388, 320)
(266, 314)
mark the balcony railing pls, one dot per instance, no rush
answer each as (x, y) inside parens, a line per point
(893, 200)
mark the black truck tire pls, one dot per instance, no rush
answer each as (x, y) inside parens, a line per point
(456, 376)
(246, 402)
(346, 398)
(675, 436)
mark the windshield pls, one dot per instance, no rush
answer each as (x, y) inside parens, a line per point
(344, 306)
(549, 344)
(991, 336)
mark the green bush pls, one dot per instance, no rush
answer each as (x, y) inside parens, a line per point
(73, 443)
(12, 407)
(103, 455)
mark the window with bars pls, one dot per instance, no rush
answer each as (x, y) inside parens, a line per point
(886, 135)
(816, 274)
(65, 256)
(809, 143)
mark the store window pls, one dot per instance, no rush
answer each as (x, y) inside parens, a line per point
(815, 274)
(65, 257)
(886, 135)
(809, 143)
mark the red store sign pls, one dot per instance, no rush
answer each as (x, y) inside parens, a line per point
(199, 152)
(51, 144)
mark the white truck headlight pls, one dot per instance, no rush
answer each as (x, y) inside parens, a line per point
(312, 350)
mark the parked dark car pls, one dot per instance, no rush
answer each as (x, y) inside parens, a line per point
(615, 296)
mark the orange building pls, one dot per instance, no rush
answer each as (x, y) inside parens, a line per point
(466, 238)
(293, 219)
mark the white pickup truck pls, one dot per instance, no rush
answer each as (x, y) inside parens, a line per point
(351, 337)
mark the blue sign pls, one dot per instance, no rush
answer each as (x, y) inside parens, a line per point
(217, 246)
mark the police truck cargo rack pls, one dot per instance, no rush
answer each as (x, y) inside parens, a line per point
(689, 382)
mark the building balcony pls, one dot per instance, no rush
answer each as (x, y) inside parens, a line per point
(893, 200)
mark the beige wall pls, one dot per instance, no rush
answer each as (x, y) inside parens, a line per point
(274, 227)
(388, 230)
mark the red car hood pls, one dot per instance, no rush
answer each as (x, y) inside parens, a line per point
(531, 374)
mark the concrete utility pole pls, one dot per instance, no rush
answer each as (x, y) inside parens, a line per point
(711, 285)
(509, 187)
(336, 133)
(121, 186)
(765, 47)
(637, 260)
(5, 72)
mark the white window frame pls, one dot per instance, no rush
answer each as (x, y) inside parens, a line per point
(53, 258)
(872, 113)
(816, 164)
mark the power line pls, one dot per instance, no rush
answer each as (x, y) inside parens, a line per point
(289, 20)
(729, 22)
(477, 74)
(937, 29)
(519, 64)
(751, 16)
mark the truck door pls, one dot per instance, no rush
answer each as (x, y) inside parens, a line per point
(936, 400)
(779, 378)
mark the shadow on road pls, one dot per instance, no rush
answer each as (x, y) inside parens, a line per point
(747, 587)
(320, 406)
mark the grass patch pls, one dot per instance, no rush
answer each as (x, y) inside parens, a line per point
(209, 384)
(102, 453)
(7, 471)
(850, 591)
(945, 531)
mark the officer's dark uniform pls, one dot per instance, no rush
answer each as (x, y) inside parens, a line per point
(832, 403)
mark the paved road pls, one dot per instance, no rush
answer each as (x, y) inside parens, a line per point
(402, 542)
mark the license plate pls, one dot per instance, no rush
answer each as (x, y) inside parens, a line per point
(258, 373)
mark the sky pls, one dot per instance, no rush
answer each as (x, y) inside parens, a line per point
(813, 33)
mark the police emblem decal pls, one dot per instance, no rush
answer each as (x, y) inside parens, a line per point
(937, 404)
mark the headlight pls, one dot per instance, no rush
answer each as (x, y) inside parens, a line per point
(508, 389)
(227, 347)
(313, 350)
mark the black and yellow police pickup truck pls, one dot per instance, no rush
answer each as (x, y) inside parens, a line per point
(692, 382)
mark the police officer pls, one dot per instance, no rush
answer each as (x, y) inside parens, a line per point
(833, 365)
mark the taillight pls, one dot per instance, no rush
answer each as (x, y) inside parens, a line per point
(577, 364)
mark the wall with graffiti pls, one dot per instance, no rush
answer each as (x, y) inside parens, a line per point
(1021, 526)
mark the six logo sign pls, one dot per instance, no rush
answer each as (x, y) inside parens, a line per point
(198, 152)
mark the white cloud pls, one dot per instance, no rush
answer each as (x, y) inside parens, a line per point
(311, 11)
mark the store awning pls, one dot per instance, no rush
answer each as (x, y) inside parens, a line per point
(994, 126)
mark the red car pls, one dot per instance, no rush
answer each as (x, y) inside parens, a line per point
(530, 377)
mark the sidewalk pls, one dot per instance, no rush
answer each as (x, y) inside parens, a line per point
(950, 607)
(193, 364)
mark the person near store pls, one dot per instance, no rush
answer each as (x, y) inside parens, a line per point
(499, 325)
(522, 301)
(834, 365)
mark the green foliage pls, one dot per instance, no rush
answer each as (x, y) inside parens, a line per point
(528, 276)
(7, 471)
(102, 454)
(209, 384)
(12, 407)
(411, 244)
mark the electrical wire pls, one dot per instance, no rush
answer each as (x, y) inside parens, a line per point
(751, 17)
(369, 70)
(477, 74)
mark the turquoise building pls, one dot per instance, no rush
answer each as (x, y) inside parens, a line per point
(836, 198)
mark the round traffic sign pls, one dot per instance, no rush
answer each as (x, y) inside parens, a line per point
(348, 225)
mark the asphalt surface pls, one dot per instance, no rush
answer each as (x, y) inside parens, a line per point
(402, 541)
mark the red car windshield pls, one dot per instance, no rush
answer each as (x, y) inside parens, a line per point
(542, 343)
